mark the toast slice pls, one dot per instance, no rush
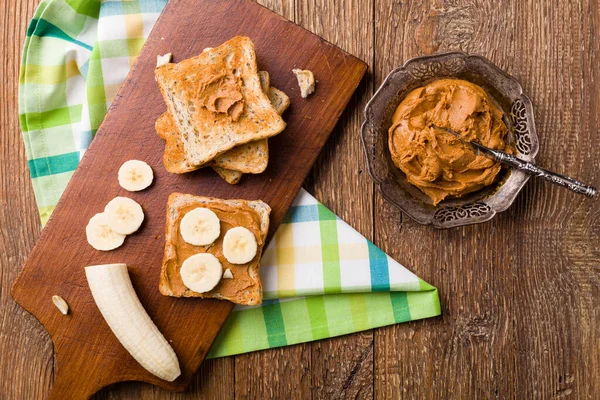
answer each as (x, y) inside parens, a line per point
(174, 157)
(252, 157)
(217, 102)
(246, 287)
(249, 158)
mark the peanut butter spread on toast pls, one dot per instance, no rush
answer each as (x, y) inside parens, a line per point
(221, 93)
(230, 217)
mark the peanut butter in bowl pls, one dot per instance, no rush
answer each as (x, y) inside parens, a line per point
(434, 160)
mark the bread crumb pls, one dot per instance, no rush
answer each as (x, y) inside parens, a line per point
(164, 59)
(306, 81)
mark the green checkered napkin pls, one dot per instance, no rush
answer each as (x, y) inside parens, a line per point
(321, 278)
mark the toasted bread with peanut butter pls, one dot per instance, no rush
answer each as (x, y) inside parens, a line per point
(217, 102)
(252, 157)
(245, 287)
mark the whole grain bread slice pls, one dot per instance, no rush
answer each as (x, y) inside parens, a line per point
(247, 157)
(192, 90)
(170, 281)
(265, 80)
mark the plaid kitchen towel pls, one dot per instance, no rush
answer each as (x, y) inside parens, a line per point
(321, 277)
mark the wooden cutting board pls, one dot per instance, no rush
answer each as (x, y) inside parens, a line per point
(88, 356)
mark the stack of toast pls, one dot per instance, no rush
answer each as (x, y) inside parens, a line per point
(220, 111)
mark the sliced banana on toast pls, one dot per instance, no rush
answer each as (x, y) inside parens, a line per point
(135, 175)
(200, 227)
(239, 245)
(124, 215)
(201, 272)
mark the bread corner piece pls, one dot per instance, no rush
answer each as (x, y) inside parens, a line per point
(246, 287)
(228, 175)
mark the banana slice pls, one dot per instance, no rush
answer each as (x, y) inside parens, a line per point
(239, 245)
(200, 227)
(135, 175)
(125, 315)
(124, 215)
(100, 235)
(227, 274)
(201, 272)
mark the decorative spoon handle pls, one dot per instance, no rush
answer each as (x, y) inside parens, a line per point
(532, 169)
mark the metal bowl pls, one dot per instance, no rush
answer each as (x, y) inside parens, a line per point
(474, 207)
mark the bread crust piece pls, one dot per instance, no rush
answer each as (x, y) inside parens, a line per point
(205, 133)
(279, 99)
(177, 202)
(230, 176)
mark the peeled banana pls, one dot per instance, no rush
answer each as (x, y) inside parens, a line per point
(124, 215)
(100, 235)
(115, 297)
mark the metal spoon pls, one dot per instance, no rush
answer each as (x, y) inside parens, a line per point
(530, 168)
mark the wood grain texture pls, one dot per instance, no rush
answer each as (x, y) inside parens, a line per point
(343, 367)
(520, 294)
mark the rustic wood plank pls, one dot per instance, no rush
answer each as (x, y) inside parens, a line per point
(516, 292)
(213, 381)
(25, 348)
(343, 367)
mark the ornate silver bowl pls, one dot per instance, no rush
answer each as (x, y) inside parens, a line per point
(474, 207)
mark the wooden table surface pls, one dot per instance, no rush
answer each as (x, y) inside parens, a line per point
(520, 294)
